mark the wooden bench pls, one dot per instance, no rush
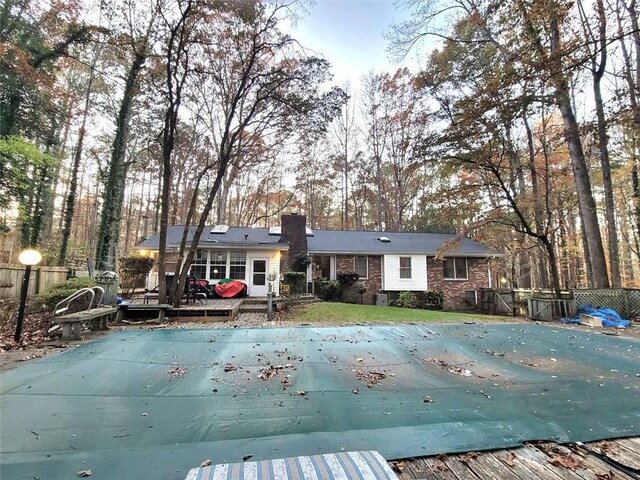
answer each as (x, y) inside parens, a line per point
(96, 317)
(145, 307)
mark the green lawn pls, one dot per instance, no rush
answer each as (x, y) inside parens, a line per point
(349, 313)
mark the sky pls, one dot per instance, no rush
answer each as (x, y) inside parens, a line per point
(349, 34)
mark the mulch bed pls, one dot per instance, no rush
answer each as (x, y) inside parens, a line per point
(35, 327)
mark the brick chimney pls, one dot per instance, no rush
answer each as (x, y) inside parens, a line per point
(293, 229)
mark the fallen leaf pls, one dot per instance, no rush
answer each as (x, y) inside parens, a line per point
(443, 457)
(566, 461)
(177, 372)
(427, 399)
(230, 368)
(398, 466)
(302, 393)
(355, 390)
(466, 458)
(206, 463)
(247, 457)
(606, 476)
(510, 457)
(84, 473)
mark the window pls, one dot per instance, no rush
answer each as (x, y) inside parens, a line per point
(455, 268)
(405, 267)
(237, 265)
(218, 265)
(199, 265)
(361, 266)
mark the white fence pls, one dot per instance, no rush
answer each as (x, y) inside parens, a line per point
(41, 278)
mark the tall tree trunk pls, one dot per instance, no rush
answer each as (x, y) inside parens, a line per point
(603, 146)
(586, 202)
(109, 229)
(70, 201)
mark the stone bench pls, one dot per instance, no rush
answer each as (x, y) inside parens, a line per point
(96, 317)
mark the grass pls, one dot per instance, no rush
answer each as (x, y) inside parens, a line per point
(351, 313)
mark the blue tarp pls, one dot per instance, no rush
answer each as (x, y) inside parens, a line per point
(610, 318)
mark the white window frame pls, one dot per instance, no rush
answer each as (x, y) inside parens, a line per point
(366, 265)
(400, 267)
(455, 270)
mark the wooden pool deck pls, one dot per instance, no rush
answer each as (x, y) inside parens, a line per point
(199, 310)
(602, 460)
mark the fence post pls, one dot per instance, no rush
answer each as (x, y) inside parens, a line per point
(529, 307)
(627, 309)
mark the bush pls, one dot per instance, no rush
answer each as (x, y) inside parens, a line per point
(296, 281)
(405, 300)
(133, 270)
(302, 261)
(54, 294)
(347, 279)
(329, 290)
(362, 289)
(434, 298)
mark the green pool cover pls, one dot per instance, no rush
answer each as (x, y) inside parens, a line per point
(152, 404)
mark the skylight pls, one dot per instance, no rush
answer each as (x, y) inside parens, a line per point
(309, 232)
(275, 231)
(219, 229)
(384, 239)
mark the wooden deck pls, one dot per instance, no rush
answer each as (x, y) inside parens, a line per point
(205, 309)
(603, 460)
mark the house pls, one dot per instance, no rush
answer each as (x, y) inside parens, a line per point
(388, 262)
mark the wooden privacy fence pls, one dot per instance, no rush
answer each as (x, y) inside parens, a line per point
(496, 302)
(549, 309)
(41, 278)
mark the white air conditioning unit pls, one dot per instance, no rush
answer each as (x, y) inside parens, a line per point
(382, 299)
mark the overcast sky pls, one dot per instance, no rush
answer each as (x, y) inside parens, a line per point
(349, 33)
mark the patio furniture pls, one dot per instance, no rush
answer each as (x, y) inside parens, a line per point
(364, 465)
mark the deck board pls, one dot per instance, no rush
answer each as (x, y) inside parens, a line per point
(531, 462)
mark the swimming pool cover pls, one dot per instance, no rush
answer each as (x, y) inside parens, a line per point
(152, 404)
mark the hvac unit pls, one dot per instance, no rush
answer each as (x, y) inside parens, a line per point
(382, 299)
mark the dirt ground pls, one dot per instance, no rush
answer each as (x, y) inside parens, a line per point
(16, 356)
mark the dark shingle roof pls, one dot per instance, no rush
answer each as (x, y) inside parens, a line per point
(332, 241)
(234, 237)
(352, 242)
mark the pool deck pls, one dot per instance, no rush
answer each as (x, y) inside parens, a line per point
(603, 460)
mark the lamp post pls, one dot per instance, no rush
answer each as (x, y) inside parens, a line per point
(28, 258)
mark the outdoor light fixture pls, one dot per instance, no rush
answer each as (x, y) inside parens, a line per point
(28, 258)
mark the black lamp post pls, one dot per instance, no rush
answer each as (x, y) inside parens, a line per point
(28, 258)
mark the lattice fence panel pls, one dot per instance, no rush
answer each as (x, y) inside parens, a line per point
(617, 299)
(633, 303)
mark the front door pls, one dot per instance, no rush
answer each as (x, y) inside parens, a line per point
(259, 286)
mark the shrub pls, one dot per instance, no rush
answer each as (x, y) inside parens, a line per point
(133, 270)
(296, 281)
(329, 290)
(302, 261)
(54, 294)
(347, 279)
(405, 300)
(434, 298)
(362, 289)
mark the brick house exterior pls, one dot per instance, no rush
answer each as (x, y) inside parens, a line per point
(395, 261)
(453, 289)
